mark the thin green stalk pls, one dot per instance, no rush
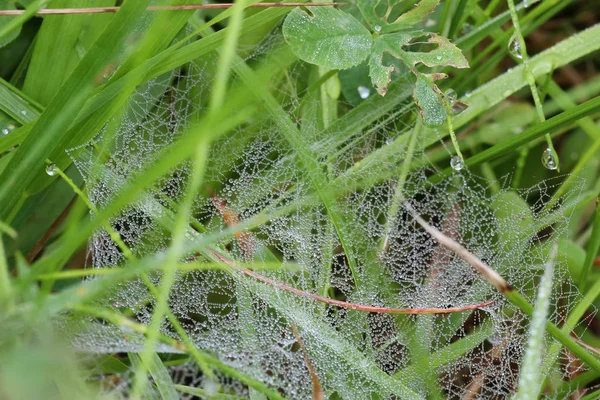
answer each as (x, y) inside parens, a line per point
(200, 158)
(591, 396)
(453, 138)
(227, 54)
(122, 321)
(169, 267)
(128, 254)
(592, 250)
(114, 235)
(530, 77)
(398, 198)
(5, 284)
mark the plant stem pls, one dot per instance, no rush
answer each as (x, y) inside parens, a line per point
(530, 77)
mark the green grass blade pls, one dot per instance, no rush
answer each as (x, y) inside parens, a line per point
(50, 129)
(160, 376)
(592, 250)
(530, 375)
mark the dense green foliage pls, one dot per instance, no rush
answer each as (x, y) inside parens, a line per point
(171, 180)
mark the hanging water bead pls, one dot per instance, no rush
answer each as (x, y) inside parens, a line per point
(459, 106)
(52, 169)
(364, 92)
(456, 105)
(466, 29)
(457, 163)
(515, 47)
(8, 129)
(549, 159)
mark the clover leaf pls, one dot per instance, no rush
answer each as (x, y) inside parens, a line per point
(334, 39)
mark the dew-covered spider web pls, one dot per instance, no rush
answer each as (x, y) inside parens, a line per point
(353, 248)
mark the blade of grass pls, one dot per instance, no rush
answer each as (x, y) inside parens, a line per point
(121, 321)
(530, 374)
(29, 12)
(28, 160)
(160, 376)
(14, 102)
(592, 250)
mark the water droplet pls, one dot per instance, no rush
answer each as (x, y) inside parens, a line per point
(211, 387)
(438, 57)
(9, 128)
(459, 106)
(52, 169)
(466, 29)
(495, 338)
(549, 159)
(451, 95)
(525, 3)
(388, 140)
(363, 92)
(430, 22)
(457, 163)
(515, 47)
(377, 28)
(23, 112)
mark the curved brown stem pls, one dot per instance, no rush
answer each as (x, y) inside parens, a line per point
(345, 304)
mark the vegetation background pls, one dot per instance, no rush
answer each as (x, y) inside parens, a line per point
(66, 78)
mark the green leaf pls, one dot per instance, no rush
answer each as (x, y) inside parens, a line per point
(417, 14)
(378, 14)
(514, 222)
(8, 5)
(380, 74)
(355, 84)
(446, 54)
(327, 37)
(427, 95)
(429, 102)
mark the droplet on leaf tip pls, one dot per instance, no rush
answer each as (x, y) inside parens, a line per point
(52, 169)
(515, 47)
(549, 160)
(459, 106)
(466, 29)
(457, 163)
(364, 92)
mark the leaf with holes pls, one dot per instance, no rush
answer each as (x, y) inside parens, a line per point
(384, 17)
(327, 37)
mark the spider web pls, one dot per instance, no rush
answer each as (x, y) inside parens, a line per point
(248, 324)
